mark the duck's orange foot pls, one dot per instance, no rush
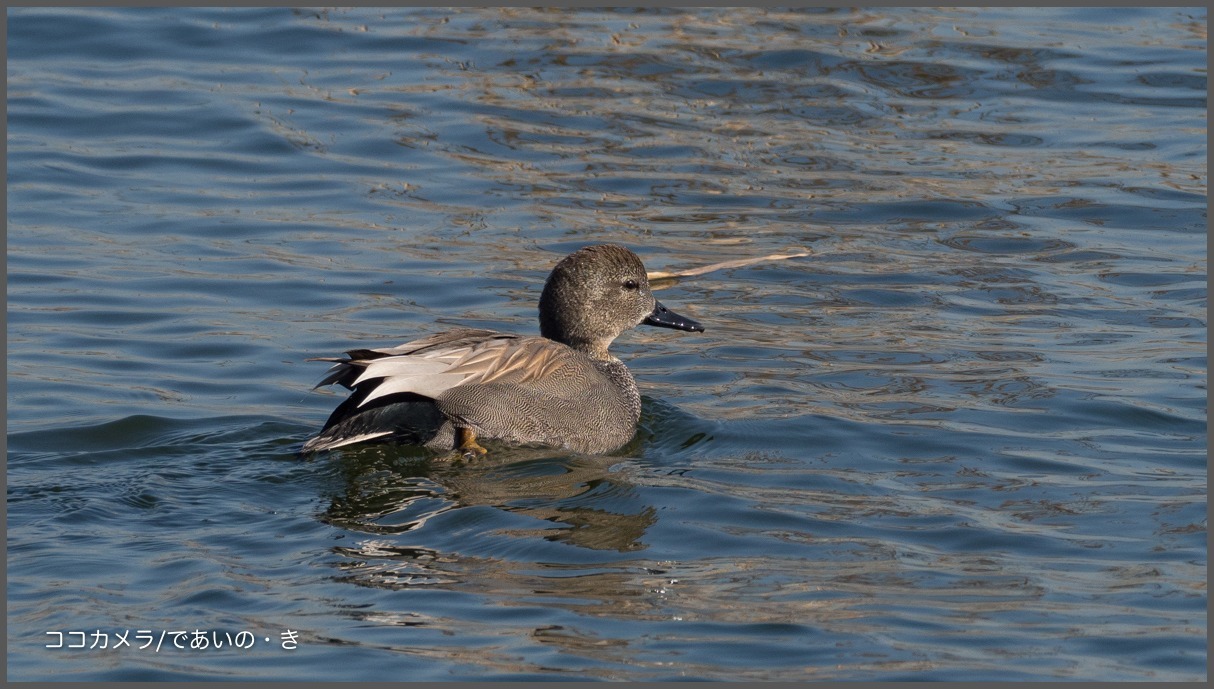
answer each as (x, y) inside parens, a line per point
(467, 445)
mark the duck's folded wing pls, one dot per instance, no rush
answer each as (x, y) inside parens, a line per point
(431, 366)
(348, 371)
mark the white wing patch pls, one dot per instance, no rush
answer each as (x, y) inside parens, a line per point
(427, 386)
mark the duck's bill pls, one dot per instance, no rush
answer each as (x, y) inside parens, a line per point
(665, 318)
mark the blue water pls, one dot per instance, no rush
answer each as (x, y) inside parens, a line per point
(965, 439)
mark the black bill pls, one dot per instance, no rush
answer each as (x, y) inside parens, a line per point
(665, 318)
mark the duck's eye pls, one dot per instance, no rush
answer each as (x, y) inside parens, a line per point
(631, 284)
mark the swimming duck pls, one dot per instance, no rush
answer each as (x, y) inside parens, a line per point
(563, 389)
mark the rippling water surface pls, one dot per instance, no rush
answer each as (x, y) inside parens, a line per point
(964, 439)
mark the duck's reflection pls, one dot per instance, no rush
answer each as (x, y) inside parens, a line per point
(500, 503)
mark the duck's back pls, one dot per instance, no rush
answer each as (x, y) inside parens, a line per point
(522, 390)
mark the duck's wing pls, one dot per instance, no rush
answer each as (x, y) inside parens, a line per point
(347, 370)
(432, 365)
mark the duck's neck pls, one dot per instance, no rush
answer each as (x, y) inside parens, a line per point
(594, 348)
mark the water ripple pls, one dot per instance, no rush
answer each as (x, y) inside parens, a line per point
(969, 429)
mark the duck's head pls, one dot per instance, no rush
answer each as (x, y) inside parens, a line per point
(598, 292)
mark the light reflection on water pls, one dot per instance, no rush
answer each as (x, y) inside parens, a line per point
(968, 431)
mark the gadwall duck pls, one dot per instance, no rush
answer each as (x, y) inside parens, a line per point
(562, 390)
